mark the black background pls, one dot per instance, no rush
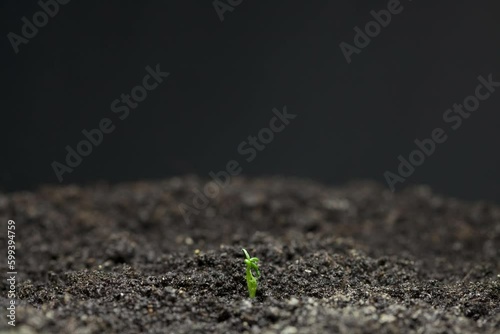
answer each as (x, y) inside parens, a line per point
(353, 119)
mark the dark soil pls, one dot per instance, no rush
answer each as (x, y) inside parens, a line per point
(354, 259)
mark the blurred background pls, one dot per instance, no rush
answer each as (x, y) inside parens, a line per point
(226, 77)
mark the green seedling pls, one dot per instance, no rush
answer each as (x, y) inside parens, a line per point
(251, 279)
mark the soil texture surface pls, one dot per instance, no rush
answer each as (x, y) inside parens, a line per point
(351, 259)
